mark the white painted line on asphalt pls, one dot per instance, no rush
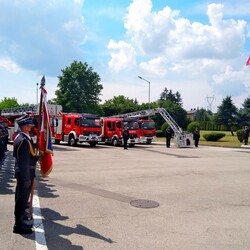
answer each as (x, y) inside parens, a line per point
(40, 239)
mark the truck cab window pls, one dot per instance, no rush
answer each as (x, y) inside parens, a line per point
(77, 122)
(118, 125)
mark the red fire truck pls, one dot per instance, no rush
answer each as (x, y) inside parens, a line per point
(74, 127)
(181, 139)
(147, 130)
(113, 127)
(13, 113)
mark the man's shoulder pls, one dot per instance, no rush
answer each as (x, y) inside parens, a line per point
(20, 138)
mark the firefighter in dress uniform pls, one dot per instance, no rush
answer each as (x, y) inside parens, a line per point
(25, 164)
(196, 137)
(168, 136)
(246, 135)
(125, 136)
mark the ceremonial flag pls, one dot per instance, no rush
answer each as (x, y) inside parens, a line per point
(45, 142)
(248, 61)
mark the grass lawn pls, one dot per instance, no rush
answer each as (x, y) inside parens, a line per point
(226, 141)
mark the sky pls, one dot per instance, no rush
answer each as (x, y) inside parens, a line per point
(198, 48)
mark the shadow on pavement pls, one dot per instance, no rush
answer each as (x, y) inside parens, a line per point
(7, 180)
(55, 231)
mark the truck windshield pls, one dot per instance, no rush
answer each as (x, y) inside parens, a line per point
(131, 125)
(147, 125)
(90, 122)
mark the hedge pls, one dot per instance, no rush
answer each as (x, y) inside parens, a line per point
(159, 133)
(213, 136)
(240, 134)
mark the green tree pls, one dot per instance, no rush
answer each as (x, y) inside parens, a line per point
(144, 105)
(202, 115)
(176, 112)
(192, 126)
(244, 113)
(227, 114)
(168, 95)
(119, 105)
(8, 103)
(79, 89)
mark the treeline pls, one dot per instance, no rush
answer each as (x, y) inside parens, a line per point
(79, 88)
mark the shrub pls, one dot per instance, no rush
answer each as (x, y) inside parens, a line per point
(192, 125)
(159, 133)
(240, 134)
(213, 136)
(164, 127)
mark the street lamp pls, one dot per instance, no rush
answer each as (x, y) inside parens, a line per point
(148, 90)
(37, 93)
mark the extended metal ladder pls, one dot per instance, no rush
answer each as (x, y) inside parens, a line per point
(20, 110)
(181, 139)
(52, 108)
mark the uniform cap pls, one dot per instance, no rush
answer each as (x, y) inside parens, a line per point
(24, 120)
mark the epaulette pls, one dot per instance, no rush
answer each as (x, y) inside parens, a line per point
(32, 151)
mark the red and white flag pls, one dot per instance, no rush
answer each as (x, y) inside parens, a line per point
(248, 61)
(45, 142)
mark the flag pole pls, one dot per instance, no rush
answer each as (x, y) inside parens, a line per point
(42, 84)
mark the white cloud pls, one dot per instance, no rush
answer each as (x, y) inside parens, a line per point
(197, 59)
(41, 35)
(124, 58)
(236, 8)
(165, 33)
(9, 65)
(168, 45)
(149, 31)
(230, 82)
(156, 66)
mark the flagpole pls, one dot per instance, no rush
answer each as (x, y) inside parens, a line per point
(42, 84)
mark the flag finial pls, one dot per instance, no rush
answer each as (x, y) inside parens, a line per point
(43, 81)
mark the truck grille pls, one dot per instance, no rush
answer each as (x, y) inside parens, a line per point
(87, 133)
(132, 136)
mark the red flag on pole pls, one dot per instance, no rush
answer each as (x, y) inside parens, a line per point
(248, 61)
(45, 142)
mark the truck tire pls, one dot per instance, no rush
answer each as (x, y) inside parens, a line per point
(57, 141)
(115, 142)
(92, 144)
(72, 141)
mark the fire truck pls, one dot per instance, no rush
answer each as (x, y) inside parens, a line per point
(76, 128)
(181, 139)
(147, 130)
(113, 127)
(11, 114)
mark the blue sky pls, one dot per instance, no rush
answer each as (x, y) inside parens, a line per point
(198, 48)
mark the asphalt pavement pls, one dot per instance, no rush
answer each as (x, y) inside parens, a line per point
(147, 197)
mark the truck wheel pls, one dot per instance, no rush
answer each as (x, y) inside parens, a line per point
(57, 141)
(72, 141)
(131, 144)
(92, 144)
(115, 142)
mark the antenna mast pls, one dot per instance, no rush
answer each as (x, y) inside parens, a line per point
(210, 100)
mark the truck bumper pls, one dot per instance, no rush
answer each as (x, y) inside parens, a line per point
(148, 139)
(90, 138)
(133, 141)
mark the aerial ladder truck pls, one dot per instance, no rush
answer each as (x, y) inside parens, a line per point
(13, 113)
(181, 139)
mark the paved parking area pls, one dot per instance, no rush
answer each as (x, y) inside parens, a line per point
(203, 197)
